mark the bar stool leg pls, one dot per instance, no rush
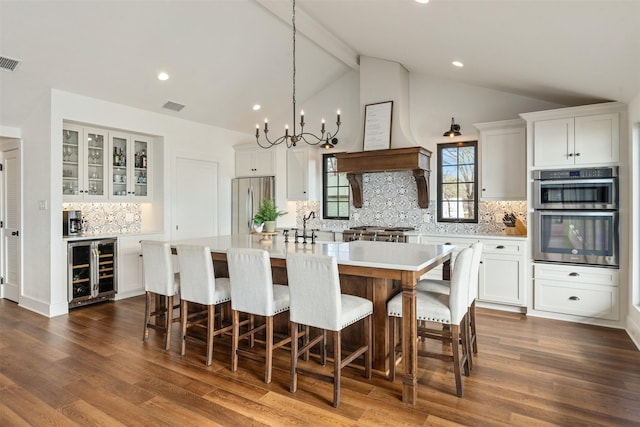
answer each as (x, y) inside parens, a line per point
(294, 357)
(337, 361)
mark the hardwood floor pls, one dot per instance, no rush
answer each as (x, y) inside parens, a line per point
(92, 368)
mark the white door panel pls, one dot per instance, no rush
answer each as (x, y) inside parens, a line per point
(195, 199)
(11, 233)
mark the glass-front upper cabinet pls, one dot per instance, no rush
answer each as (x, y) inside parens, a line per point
(84, 169)
(120, 147)
(130, 168)
(95, 157)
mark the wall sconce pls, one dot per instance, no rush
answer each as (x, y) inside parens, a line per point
(328, 145)
(454, 130)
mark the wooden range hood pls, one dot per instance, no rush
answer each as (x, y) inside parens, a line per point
(416, 159)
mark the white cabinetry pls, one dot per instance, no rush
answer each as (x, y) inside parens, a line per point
(589, 292)
(129, 267)
(502, 269)
(84, 164)
(502, 272)
(131, 168)
(575, 137)
(255, 161)
(300, 174)
(503, 160)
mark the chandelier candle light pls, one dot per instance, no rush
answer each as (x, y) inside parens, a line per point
(327, 139)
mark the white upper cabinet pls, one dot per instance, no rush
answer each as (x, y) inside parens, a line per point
(300, 174)
(581, 140)
(131, 167)
(84, 164)
(252, 160)
(503, 160)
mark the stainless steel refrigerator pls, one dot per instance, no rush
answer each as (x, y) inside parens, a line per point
(246, 195)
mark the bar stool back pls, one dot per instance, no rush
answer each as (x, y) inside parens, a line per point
(316, 301)
(253, 292)
(200, 286)
(160, 281)
(446, 309)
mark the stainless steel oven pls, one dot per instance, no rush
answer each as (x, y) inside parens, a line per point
(588, 188)
(576, 237)
(576, 217)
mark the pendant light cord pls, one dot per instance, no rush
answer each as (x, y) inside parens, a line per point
(293, 23)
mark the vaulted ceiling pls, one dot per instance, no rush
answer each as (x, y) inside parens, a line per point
(223, 56)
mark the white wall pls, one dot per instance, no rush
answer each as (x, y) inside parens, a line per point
(44, 280)
(633, 310)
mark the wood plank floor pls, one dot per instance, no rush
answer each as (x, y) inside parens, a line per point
(92, 368)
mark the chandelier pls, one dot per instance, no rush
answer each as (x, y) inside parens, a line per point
(327, 139)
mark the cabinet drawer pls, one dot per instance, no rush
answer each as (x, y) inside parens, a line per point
(577, 274)
(579, 300)
(500, 247)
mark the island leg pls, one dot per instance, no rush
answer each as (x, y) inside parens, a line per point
(409, 338)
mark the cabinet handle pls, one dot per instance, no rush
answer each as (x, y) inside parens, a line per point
(577, 154)
(574, 274)
(570, 154)
(574, 298)
(500, 247)
(448, 243)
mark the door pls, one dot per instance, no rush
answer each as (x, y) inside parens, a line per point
(10, 233)
(195, 199)
(553, 142)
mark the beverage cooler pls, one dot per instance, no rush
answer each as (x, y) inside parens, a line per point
(92, 272)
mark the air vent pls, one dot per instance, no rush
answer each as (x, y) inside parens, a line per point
(8, 64)
(173, 106)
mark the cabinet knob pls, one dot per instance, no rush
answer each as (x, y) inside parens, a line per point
(577, 154)
(570, 154)
(574, 298)
(484, 189)
(574, 274)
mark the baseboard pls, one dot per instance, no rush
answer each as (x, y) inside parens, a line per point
(129, 294)
(502, 307)
(633, 330)
(43, 307)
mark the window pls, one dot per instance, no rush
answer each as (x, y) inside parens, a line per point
(458, 182)
(335, 190)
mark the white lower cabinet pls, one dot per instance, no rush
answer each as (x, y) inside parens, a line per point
(502, 269)
(577, 291)
(129, 267)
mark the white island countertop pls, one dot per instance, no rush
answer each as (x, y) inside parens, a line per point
(397, 256)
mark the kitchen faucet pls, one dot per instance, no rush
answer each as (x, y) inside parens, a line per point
(304, 235)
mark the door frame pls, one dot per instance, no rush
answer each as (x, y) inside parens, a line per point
(10, 144)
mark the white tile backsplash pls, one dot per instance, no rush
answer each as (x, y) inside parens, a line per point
(105, 218)
(390, 199)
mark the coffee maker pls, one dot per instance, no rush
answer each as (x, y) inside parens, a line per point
(71, 223)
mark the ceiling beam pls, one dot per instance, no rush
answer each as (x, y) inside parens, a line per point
(314, 31)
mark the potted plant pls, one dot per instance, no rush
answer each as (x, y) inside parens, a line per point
(267, 214)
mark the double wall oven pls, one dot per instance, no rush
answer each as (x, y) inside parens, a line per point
(576, 216)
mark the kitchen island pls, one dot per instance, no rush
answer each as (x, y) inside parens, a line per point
(374, 270)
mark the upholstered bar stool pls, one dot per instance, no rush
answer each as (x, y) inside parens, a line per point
(200, 286)
(253, 292)
(444, 287)
(316, 301)
(159, 281)
(446, 309)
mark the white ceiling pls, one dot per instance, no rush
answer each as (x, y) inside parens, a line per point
(225, 55)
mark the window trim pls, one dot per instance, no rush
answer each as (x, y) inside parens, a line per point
(439, 149)
(324, 192)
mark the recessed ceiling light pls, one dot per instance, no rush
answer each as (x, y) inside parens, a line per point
(256, 107)
(423, 1)
(458, 64)
(163, 76)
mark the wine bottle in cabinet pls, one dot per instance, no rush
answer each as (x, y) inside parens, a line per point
(92, 271)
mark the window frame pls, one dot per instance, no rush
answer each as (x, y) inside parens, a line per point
(325, 187)
(440, 183)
